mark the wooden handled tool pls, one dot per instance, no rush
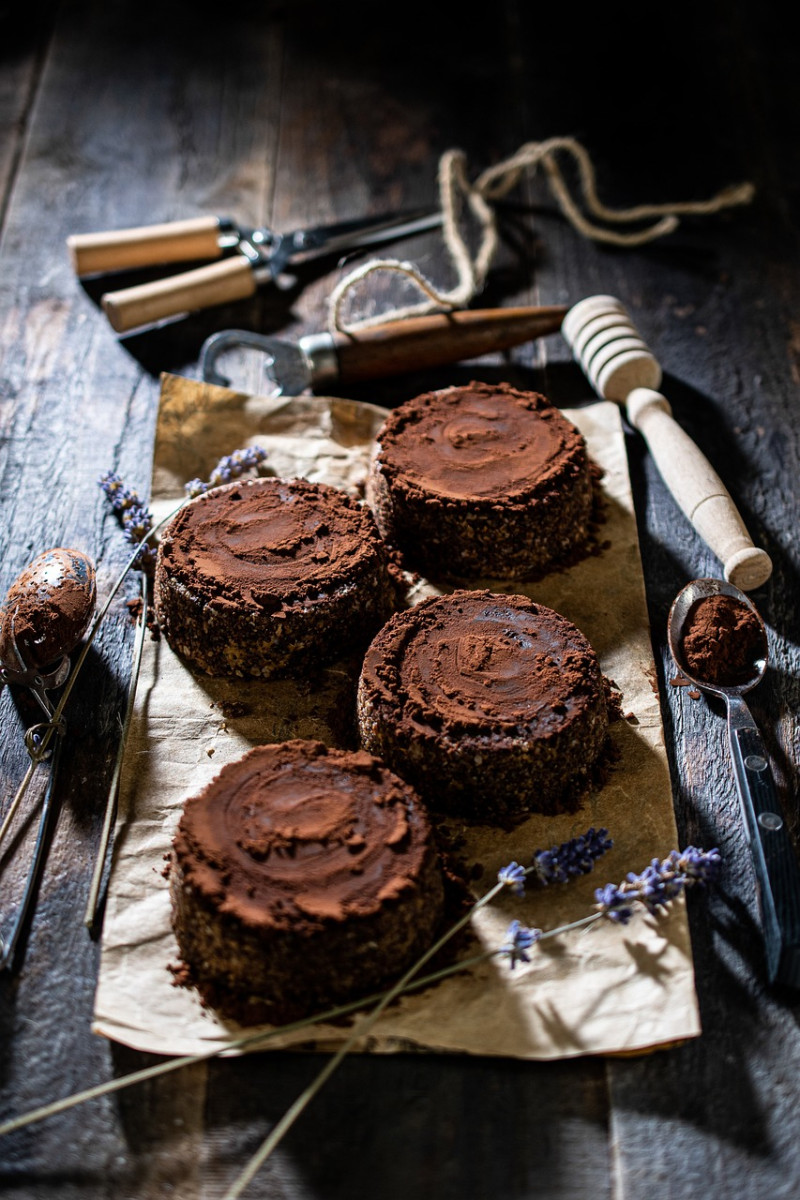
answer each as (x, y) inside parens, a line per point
(124, 249)
(259, 256)
(412, 344)
(620, 366)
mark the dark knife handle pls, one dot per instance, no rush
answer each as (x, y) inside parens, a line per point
(774, 858)
(419, 343)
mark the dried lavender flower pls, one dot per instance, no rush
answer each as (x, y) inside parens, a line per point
(575, 857)
(614, 902)
(519, 939)
(230, 467)
(659, 883)
(514, 876)
(136, 518)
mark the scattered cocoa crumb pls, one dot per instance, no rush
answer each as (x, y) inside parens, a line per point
(181, 976)
(613, 699)
(210, 751)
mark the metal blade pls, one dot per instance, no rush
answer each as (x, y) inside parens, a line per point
(304, 245)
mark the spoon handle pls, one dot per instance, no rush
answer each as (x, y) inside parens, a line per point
(774, 859)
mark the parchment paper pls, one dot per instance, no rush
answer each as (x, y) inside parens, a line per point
(612, 989)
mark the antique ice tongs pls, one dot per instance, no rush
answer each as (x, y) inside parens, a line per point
(46, 613)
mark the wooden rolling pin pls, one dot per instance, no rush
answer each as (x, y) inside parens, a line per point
(616, 360)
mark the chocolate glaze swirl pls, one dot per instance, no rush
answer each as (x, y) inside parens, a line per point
(483, 441)
(482, 663)
(297, 832)
(268, 542)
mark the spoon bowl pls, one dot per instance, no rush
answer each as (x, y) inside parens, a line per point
(734, 659)
(719, 643)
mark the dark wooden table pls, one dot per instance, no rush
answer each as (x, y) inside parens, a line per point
(113, 114)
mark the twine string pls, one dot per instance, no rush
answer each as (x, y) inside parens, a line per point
(472, 266)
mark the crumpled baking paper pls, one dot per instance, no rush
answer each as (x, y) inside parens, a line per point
(610, 989)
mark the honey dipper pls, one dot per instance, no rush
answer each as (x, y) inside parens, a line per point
(609, 348)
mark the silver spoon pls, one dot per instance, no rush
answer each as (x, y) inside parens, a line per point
(728, 664)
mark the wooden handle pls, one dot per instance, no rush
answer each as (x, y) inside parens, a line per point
(231, 279)
(698, 490)
(148, 245)
(419, 343)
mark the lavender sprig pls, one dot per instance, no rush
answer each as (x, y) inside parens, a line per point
(653, 888)
(560, 863)
(136, 518)
(658, 884)
(230, 467)
(519, 939)
(575, 857)
(678, 871)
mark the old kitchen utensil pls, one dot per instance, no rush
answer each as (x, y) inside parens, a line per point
(257, 256)
(728, 671)
(616, 360)
(45, 614)
(414, 343)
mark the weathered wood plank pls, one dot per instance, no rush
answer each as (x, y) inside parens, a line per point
(314, 114)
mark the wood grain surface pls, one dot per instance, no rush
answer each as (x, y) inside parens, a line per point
(116, 115)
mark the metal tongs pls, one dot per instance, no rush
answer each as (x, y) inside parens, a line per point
(248, 258)
(38, 683)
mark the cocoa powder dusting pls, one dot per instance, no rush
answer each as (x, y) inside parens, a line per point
(723, 641)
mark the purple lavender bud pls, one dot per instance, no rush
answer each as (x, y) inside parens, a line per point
(229, 467)
(514, 876)
(614, 903)
(575, 857)
(699, 866)
(137, 521)
(652, 887)
(519, 939)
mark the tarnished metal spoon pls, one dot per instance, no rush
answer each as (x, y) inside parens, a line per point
(719, 643)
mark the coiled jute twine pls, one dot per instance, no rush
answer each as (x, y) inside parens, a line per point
(455, 190)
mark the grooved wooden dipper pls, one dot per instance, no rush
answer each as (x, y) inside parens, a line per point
(609, 348)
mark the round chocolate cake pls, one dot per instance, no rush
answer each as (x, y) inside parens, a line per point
(301, 877)
(270, 576)
(481, 481)
(490, 705)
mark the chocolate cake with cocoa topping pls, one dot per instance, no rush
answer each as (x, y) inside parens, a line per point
(301, 877)
(481, 481)
(490, 705)
(271, 576)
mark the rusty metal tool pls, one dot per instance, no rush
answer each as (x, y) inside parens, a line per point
(247, 259)
(410, 344)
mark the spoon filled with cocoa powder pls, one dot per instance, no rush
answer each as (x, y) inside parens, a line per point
(719, 643)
